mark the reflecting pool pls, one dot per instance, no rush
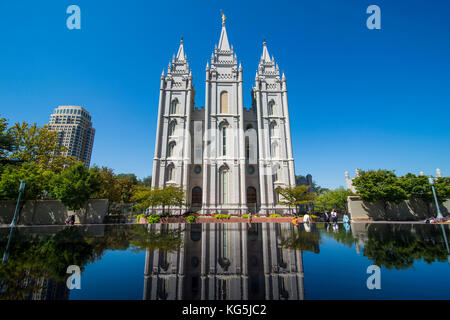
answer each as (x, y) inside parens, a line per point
(230, 261)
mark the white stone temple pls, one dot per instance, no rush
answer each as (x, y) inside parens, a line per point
(228, 159)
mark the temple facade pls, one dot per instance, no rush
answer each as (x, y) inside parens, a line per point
(228, 158)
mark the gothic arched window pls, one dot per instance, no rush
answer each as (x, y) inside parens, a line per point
(172, 126)
(224, 102)
(171, 172)
(274, 149)
(173, 106)
(272, 129)
(223, 172)
(271, 109)
(170, 151)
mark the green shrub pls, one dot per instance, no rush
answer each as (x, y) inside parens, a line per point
(139, 217)
(245, 216)
(313, 216)
(222, 216)
(275, 215)
(153, 218)
(191, 219)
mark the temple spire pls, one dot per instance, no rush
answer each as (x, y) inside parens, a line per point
(265, 55)
(223, 42)
(180, 55)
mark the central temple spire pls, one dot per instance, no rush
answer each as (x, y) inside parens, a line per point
(223, 42)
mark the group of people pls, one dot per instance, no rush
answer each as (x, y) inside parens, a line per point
(71, 220)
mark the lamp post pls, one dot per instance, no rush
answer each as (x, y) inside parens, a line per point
(431, 180)
(21, 189)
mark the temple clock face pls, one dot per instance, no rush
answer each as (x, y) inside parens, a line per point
(198, 169)
(251, 170)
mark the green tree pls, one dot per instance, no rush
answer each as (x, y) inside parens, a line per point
(39, 145)
(131, 176)
(37, 181)
(7, 141)
(75, 185)
(294, 196)
(380, 185)
(147, 181)
(336, 198)
(126, 187)
(109, 186)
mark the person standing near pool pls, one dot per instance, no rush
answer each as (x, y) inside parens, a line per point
(345, 218)
(334, 216)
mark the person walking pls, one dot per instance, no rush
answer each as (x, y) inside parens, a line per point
(326, 216)
(334, 217)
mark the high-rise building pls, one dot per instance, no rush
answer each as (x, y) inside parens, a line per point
(243, 154)
(76, 133)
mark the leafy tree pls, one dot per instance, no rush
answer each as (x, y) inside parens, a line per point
(170, 196)
(147, 181)
(417, 187)
(75, 185)
(294, 196)
(37, 181)
(131, 176)
(380, 185)
(109, 187)
(39, 145)
(336, 198)
(127, 188)
(7, 141)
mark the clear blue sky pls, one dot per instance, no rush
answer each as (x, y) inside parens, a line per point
(358, 98)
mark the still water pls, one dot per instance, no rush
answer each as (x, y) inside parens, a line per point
(275, 261)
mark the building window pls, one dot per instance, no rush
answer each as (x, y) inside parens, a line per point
(251, 170)
(172, 126)
(171, 150)
(223, 185)
(173, 107)
(224, 141)
(224, 102)
(272, 129)
(251, 195)
(271, 107)
(197, 169)
(170, 173)
(197, 196)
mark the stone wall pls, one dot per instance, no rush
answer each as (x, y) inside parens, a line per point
(48, 212)
(406, 211)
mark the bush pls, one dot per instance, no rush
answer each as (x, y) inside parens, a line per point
(222, 216)
(245, 216)
(153, 218)
(190, 219)
(275, 215)
(313, 216)
(139, 216)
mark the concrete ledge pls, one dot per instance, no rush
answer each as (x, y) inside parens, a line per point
(408, 210)
(53, 212)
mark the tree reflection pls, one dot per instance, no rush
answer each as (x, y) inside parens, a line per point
(397, 246)
(298, 239)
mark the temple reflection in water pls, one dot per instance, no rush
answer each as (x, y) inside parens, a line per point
(229, 261)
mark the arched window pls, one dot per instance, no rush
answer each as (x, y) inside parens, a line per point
(224, 102)
(173, 106)
(224, 141)
(171, 149)
(172, 126)
(251, 195)
(171, 173)
(247, 147)
(197, 196)
(223, 185)
(272, 129)
(271, 106)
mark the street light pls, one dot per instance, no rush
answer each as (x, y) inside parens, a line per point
(431, 180)
(21, 189)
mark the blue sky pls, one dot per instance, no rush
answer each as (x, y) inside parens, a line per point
(358, 98)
